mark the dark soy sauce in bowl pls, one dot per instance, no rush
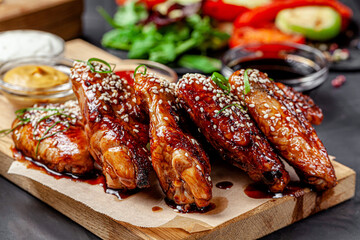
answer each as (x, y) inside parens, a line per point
(279, 69)
(299, 66)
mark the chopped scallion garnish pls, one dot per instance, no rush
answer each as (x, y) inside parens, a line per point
(221, 81)
(92, 68)
(137, 68)
(247, 87)
(230, 105)
(46, 132)
(58, 112)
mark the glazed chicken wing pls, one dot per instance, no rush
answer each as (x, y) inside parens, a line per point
(286, 127)
(230, 130)
(181, 165)
(304, 103)
(53, 134)
(116, 137)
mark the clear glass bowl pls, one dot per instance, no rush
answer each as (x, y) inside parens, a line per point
(299, 66)
(21, 96)
(160, 69)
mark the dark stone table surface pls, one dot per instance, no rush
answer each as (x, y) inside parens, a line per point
(24, 217)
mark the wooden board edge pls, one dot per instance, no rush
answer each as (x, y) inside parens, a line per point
(99, 224)
(67, 24)
(274, 214)
(283, 212)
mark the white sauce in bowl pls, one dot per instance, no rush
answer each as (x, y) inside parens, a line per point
(29, 43)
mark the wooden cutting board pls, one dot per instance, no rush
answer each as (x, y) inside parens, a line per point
(61, 17)
(258, 222)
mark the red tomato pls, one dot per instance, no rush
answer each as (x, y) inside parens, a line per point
(248, 35)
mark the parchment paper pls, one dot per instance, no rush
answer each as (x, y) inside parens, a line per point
(229, 203)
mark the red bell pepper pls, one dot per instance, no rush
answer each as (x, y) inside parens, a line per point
(222, 11)
(258, 16)
(269, 34)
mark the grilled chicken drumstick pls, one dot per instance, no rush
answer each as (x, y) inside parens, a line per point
(304, 103)
(181, 165)
(116, 137)
(286, 127)
(230, 130)
(53, 134)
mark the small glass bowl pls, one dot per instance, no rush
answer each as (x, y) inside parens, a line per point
(21, 96)
(159, 69)
(296, 65)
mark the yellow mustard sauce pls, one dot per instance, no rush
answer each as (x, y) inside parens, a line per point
(35, 76)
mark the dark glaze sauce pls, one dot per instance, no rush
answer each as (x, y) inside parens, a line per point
(259, 190)
(94, 178)
(224, 185)
(157, 209)
(189, 208)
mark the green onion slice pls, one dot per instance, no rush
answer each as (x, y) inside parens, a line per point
(247, 87)
(137, 68)
(230, 105)
(92, 69)
(19, 113)
(221, 81)
(47, 131)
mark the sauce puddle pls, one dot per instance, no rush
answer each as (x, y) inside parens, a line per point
(157, 209)
(224, 185)
(259, 191)
(189, 208)
(93, 178)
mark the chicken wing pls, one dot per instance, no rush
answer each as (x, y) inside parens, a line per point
(53, 134)
(286, 127)
(304, 103)
(117, 138)
(182, 166)
(230, 130)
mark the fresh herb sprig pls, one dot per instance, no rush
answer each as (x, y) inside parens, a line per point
(136, 32)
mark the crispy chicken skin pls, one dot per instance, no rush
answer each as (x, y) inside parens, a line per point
(116, 137)
(286, 128)
(230, 130)
(182, 166)
(65, 151)
(304, 103)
